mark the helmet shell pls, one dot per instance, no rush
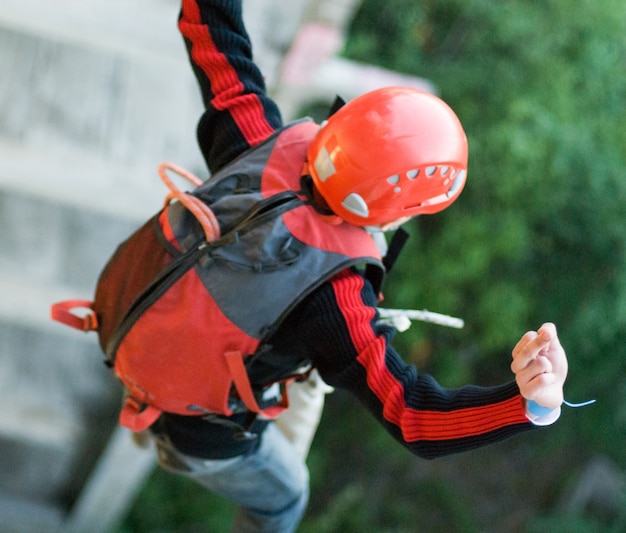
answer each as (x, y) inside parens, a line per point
(389, 153)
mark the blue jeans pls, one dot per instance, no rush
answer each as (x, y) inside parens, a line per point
(270, 486)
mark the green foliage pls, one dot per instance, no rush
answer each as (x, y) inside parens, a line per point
(576, 523)
(174, 504)
(537, 234)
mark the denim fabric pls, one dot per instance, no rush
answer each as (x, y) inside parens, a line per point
(270, 486)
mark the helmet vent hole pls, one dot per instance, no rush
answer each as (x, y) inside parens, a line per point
(457, 184)
(393, 180)
(431, 170)
(444, 170)
(412, 174)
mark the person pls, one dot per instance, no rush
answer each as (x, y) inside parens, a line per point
(379, 160)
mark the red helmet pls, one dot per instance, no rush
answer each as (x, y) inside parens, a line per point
(388, 154)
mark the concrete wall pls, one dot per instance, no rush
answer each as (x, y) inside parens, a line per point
(93, 96)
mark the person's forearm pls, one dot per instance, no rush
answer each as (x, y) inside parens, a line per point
(238, 113)
(355, 354)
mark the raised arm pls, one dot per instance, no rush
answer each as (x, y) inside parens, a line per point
(238, 113)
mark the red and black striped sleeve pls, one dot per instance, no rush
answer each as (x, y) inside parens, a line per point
(238, 113)
(354, 353)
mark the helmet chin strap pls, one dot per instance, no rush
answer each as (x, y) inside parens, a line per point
(316, 200)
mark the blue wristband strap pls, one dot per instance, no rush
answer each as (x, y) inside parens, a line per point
(534, 409)
(544, 416)
(576, 405)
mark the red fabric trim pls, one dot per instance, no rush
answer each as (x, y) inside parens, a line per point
(470, 422)
(166, 227)
(282, 172)
(234, 360)
(415, 424)
(245, 109)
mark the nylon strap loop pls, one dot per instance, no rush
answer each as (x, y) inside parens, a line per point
(62, 312)
(138, 416)
(203, 213)
(238, 372)
(234, 360)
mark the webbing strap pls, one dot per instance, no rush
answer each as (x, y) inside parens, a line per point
(62, 312)
(138, 416)
(238, 372)
(234, 360)
(398, 240)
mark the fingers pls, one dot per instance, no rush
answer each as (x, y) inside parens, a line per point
(549, 329)
(545, 390)
(533, 343)
(539, 365)
(528, 348)
(537, 382)
(537, 372)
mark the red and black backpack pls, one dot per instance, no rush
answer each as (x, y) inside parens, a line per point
(189, 297)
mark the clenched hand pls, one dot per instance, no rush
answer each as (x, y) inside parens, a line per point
(540, 366)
